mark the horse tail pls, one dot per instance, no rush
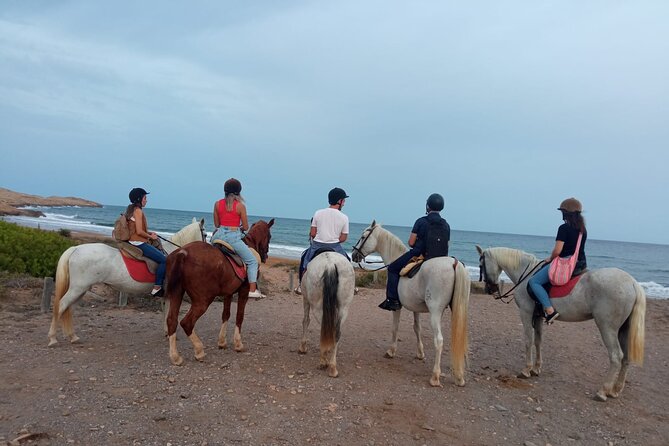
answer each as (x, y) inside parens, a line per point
(174, 289)
(61, 287)
(636, 335)
(459, 310)
(330, 325)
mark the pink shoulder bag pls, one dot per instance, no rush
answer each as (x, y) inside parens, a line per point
(562, 268)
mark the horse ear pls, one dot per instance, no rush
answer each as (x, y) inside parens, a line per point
(373, 223)
(271, 222)
(201, 222)
(194, 220)
(478, 248)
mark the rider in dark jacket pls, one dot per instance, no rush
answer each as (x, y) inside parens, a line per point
(430, 236)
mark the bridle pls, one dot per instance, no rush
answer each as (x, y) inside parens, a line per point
(362, 254)
(492, 288)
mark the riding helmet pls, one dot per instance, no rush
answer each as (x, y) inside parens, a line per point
(335, 195)
(136, 195)
(232, 186)
(571, 205)
(435, 202)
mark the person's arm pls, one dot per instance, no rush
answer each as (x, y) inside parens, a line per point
(412, 239)
(216, 222)
(557, 249)
(312, 232)
(241, 210)
(342, 237)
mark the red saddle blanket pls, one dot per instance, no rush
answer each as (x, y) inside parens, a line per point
(138, 270)
(239, 270)
(562, 291)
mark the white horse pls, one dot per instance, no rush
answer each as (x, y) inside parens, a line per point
(440, 282)
(327, 289)
(610, 296)
(79, 267)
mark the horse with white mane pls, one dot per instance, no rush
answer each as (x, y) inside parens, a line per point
(79, 267)
(327, 288)
(610, 296)
(440, 282)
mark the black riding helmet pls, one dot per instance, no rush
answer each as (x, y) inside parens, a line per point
(136, 195)
(232, 186)
(335, 195)
(435, 202)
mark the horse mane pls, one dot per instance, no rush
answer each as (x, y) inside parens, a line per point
(180, 236)
(510, 257)
(394, 242)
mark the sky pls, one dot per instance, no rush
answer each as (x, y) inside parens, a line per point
(505, 108)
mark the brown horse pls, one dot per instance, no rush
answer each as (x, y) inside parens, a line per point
(203, 272)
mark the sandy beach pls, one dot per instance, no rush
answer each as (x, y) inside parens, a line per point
(117, 386)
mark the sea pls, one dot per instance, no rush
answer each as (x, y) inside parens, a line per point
(647, 263)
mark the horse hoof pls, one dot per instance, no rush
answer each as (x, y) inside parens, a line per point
(302, 351)
(52, 342)
(600, 396)
(240, 349)
(389, 354)
(460, 382)
(434, 382)
(333, 373)
(534, 373)
(74, 339)
(200, 357)
(419, 357)
(178, 361)
(523, 375)
(223, 346)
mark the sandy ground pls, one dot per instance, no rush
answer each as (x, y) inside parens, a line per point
(117, 386)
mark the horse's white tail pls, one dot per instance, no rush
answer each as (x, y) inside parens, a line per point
(62, 285)
(330, 324)
(459, 332)
(637, 330)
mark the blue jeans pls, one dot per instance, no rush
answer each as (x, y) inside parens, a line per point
(536, 283)
(158, 257)
(234, 238)
(394, 269)
(308, 254)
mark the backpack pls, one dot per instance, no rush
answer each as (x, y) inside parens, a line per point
(121, 230)
(436, 240)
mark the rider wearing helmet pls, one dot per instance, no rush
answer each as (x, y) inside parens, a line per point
(141, 237)
(430, 237)
(229, 217)
(565, 246)
(329, 229)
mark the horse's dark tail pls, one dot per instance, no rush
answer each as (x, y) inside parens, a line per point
(330, 324)
(174, 287)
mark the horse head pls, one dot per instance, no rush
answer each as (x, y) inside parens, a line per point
(489, 271)
(259, 236)
(366, 244)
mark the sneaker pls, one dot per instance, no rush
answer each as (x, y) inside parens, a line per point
(160, 292)
(390, 305)
(257, 295)
(550, 318)
(298, 290)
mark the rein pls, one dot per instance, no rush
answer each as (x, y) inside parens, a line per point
(483, 275)
(168, 241)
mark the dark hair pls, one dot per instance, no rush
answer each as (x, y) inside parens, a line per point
(574, 219)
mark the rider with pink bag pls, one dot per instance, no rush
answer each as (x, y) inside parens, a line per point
(570, 241)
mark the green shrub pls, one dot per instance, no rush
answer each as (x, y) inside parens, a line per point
(65, 232)
(365, 279)
(30, 251)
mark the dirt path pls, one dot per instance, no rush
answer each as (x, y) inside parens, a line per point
(117, 385)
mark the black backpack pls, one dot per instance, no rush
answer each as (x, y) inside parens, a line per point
(436, 240)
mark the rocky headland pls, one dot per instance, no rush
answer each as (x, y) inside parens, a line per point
(11, 202)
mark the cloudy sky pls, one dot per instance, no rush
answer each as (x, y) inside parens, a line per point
(505, 108)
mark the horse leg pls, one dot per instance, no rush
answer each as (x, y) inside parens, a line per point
(610, 338)
(305, 326)
(241, 306)
(65, 315)
(538, 332)
(396, 323)
(197, 309)
(619, 385)
(435, 321)
(225, 317)
(416, 329)
(174, 298)
(526, 319)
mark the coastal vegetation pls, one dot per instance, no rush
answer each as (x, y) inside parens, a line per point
(30, 251)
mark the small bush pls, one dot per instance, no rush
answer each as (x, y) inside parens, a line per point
(365, 279)
(65, 232)
(30, 251)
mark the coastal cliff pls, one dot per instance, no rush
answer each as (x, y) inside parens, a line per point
(11, 201)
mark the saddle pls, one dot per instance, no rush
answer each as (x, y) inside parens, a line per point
(412, 268)
(555, 292)
(235, 260)
(130, 251)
